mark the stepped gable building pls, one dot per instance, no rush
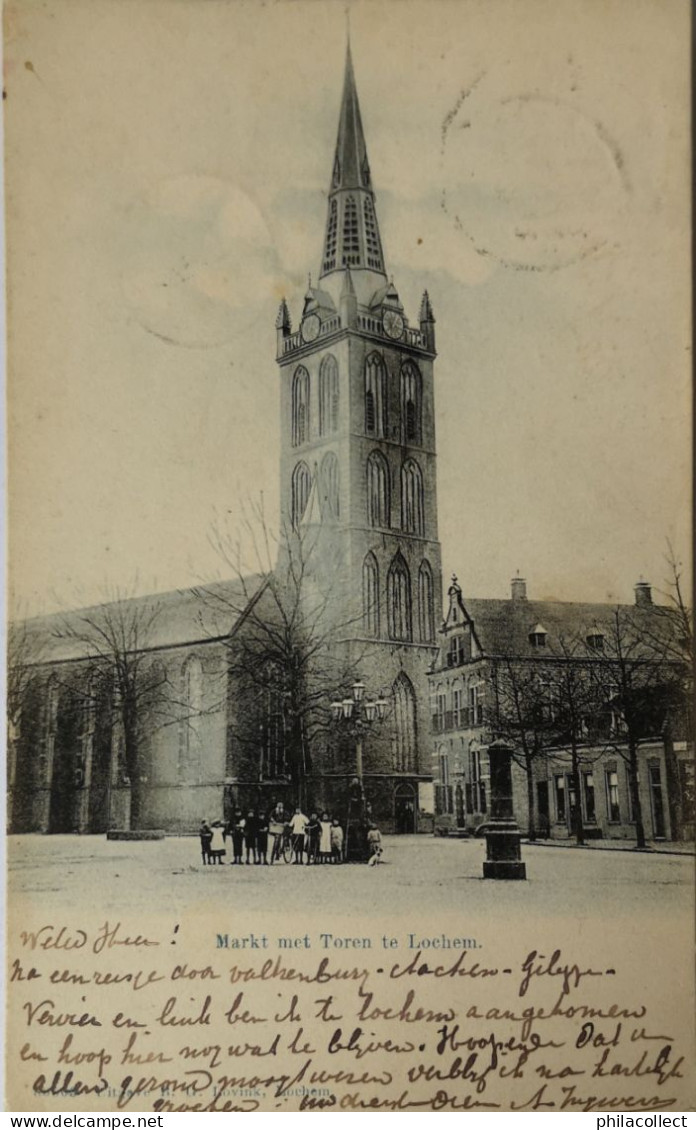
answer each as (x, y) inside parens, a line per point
(358, 496)
(540, 674)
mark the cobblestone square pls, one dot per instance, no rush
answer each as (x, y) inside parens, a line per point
(423, 873)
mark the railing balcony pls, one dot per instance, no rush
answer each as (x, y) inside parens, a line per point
(366, 322)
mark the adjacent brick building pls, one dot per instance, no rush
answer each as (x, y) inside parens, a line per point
(531, 671)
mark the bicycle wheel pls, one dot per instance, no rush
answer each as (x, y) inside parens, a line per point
(287, 851)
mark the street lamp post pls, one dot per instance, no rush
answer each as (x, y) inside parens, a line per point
(356, 714)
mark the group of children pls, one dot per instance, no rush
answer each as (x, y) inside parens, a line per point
(258, 834)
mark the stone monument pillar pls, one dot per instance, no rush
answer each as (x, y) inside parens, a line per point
(503, 852)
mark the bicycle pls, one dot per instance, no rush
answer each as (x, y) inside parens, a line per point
(282, 845)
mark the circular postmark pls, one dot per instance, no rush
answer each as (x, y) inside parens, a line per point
(530, 181)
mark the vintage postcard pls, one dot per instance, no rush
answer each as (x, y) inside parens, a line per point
(350, 752)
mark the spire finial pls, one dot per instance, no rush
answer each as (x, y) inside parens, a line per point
(283, 319)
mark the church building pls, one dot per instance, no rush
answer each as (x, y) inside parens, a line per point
(359, 504)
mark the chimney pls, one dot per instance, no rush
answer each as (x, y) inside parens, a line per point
(643, 593)
(518, 587)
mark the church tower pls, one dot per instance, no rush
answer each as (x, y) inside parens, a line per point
(357, 466)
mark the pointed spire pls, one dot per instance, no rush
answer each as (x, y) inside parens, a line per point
(283, 320)
(427, 322)
(351, 167)
(426, 310)
(348, 288)
(348, 301)
(352, 235)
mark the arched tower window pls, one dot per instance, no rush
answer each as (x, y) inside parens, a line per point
(374, 251)
(411, 403)
(328, 396)
(331, 234)
(52, 696)
(412, 512)
(399, 600)
(426, 626)
(351, 237)
(190, 743)
(300, 407)
(301, 487)
(330, 487)
(404, 740)
(378, 492)
(371, 595)
(375, 396)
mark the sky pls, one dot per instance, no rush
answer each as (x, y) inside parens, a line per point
(167, 165)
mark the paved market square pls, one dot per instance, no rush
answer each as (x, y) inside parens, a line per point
(429, 874)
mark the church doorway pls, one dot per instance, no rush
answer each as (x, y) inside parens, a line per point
(405, 809)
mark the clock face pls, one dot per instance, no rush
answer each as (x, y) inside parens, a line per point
(311, 327)
(393, 324)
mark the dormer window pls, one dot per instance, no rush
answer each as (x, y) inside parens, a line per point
(595, 641)
(537, 636)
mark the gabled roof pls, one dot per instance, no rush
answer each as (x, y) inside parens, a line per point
(537, 629)
(182, 616)
(503, 627)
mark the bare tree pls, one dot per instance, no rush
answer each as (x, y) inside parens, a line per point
(286, 662)
(112, 645)
(523, 715)
(678, 640)
(637, 674)
(25, 651)
(679, 715)
(575, 698)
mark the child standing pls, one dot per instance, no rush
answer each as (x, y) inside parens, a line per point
(250, 837)
(206, 834)
(325, 838)
(217, 842)
(298, 827)
(336, 842)
(374, 844)
(238, 826)
(262, 838)
(313, 832)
